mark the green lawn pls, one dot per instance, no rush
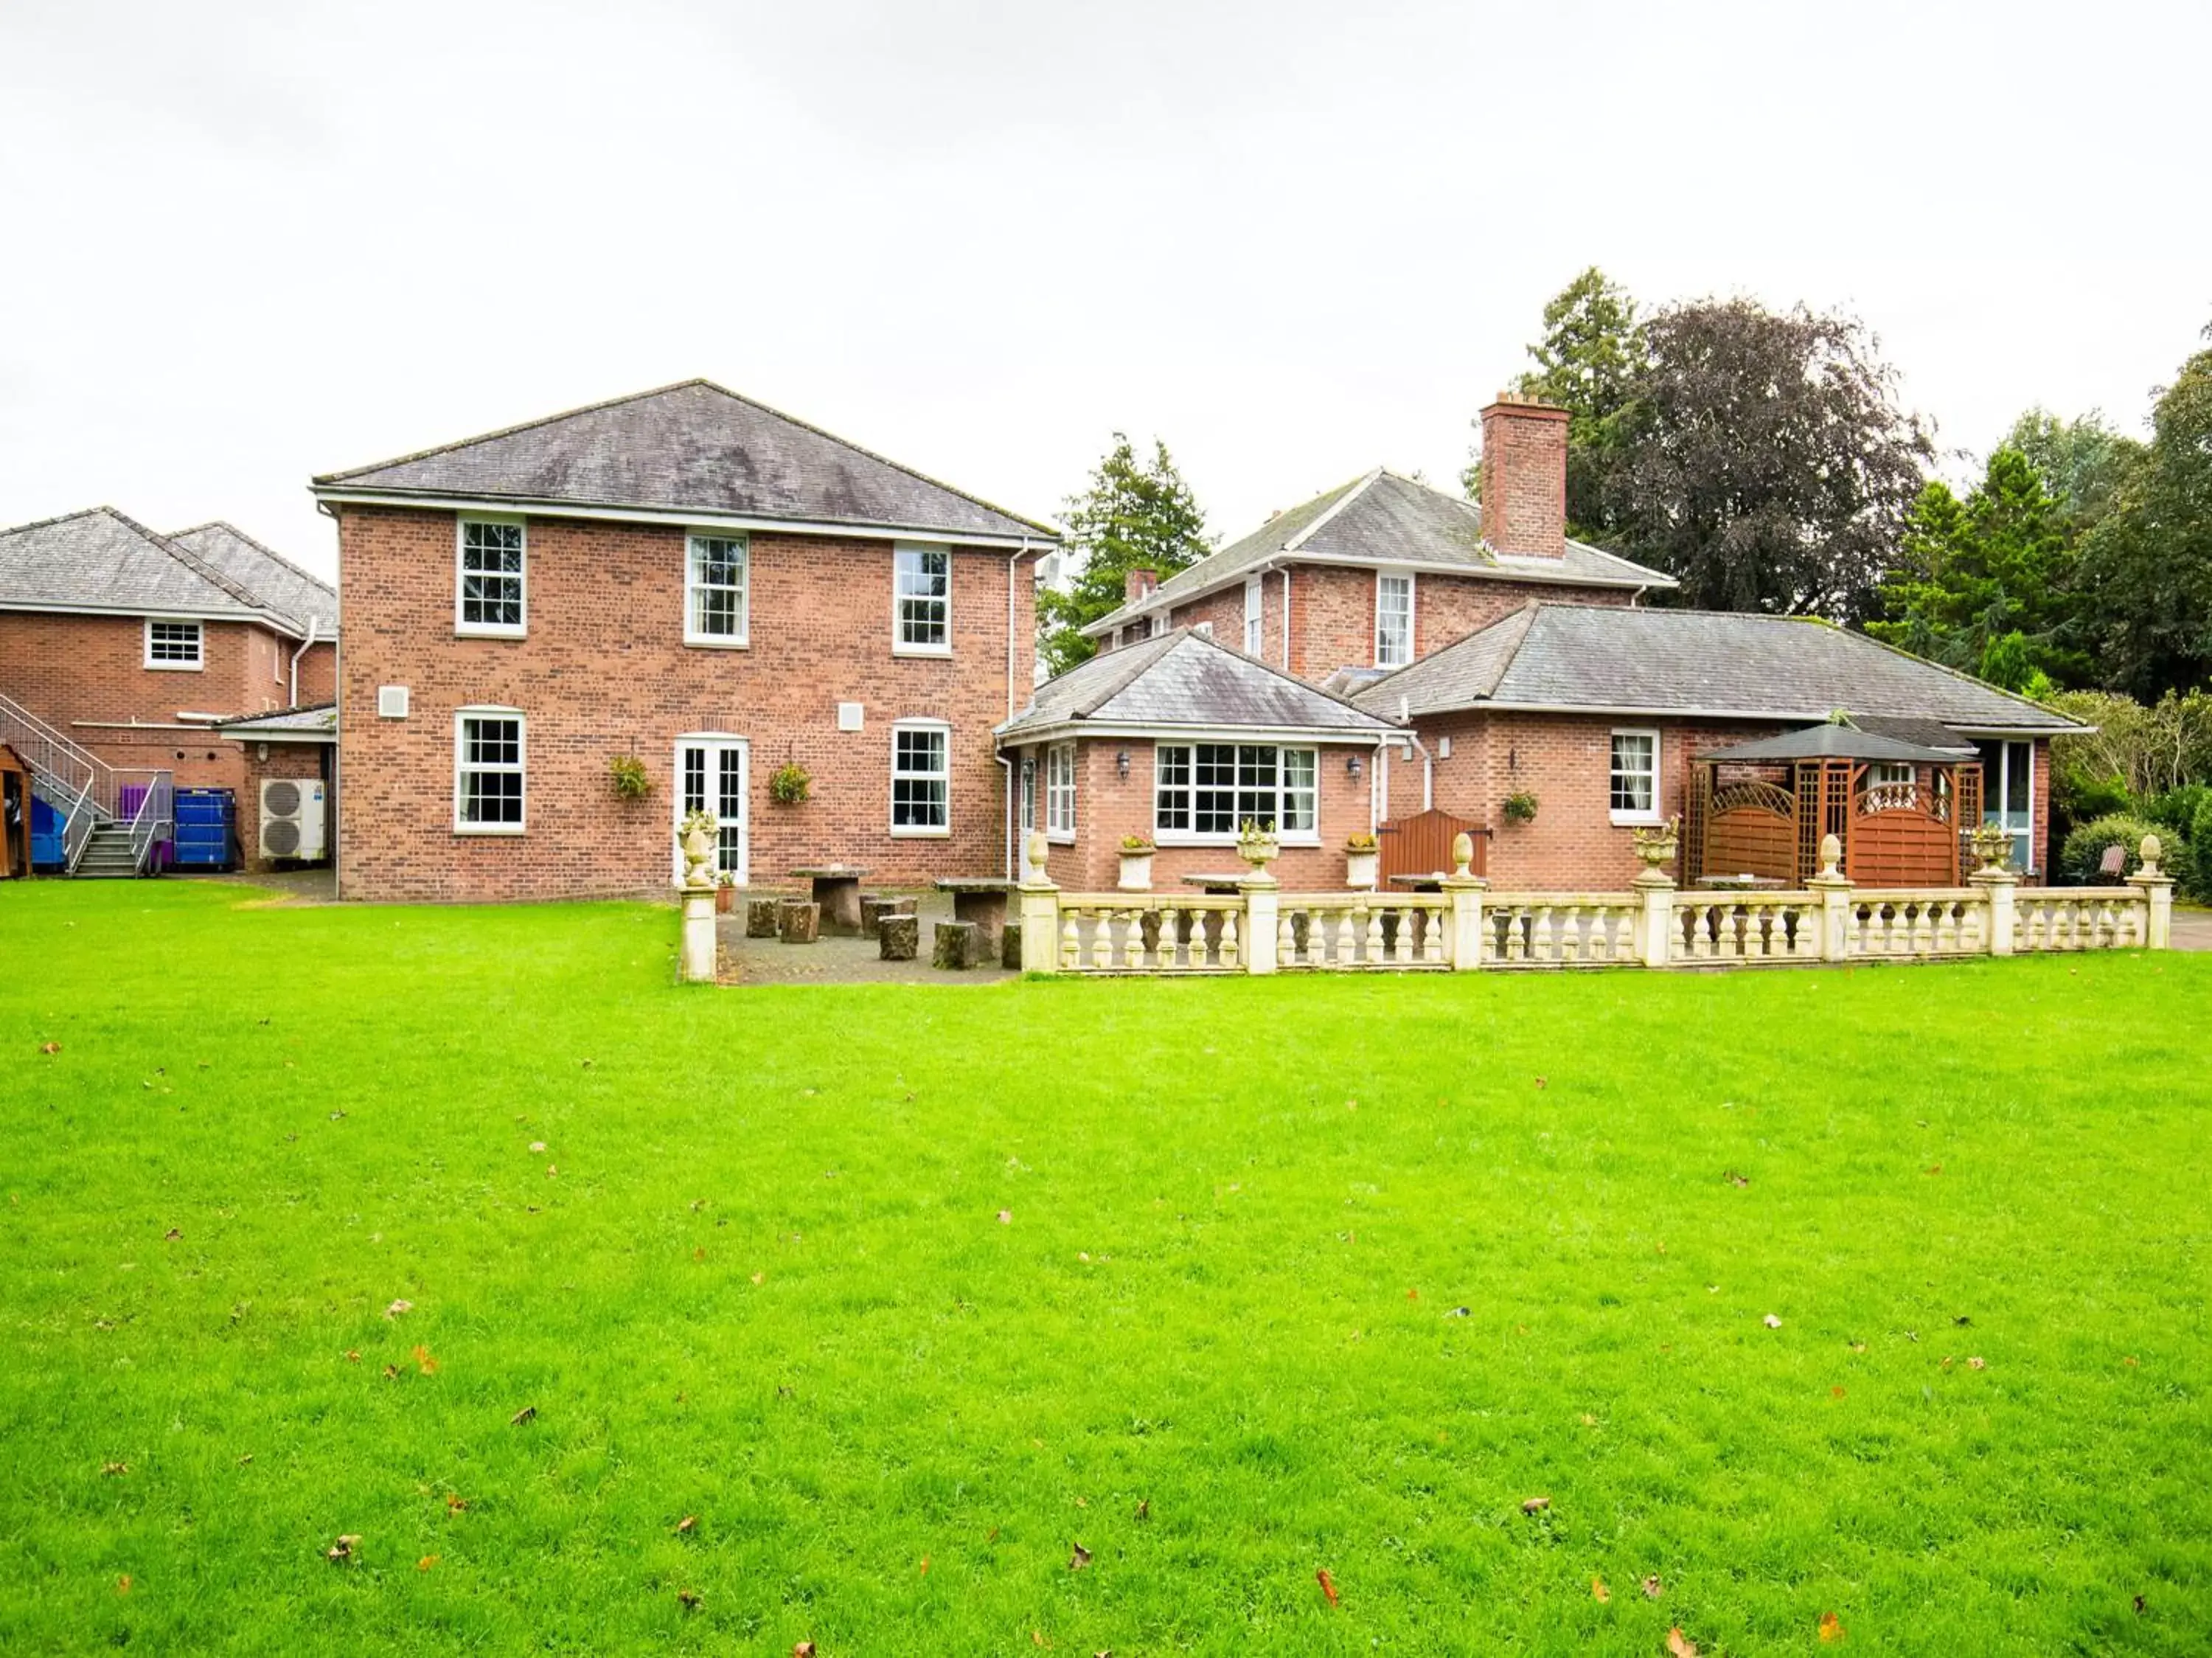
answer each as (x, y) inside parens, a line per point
(905, 1293)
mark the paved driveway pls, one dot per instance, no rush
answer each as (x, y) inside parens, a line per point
(2193, 929)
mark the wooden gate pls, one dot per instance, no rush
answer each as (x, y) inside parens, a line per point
(1422, 844)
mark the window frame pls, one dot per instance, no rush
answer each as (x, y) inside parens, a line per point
(1382, 577)
(1060, 791)
(900, 551)
(1255, 607)
(1997, 805)
(1190, 789)
(1630, 815)
(920, 830)
(693, 637)
(521, 768)
(716, 743)
(465, 629)
(175, 664)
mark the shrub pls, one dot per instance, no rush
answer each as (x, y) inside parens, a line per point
(2080, 858)
(1136, 843)
(1361, 842)
(2200, 847)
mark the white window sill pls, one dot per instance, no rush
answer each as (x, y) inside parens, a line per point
(1060, 836)
(716, 641)
(908, 832)
(940, 651)
(1635, 820)
(178, 668)
(464, 631)
(496, 829)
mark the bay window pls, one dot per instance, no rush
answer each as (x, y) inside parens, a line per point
(1207, 791)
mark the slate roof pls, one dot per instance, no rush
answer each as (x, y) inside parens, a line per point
(280, 583)
(101, 560)
(1384, 519)
(312, 722)
(1618, 659)
(1833, 740)
(1185, 680)
(693, 447)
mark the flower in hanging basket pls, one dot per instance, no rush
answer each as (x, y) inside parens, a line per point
(630, 779)
(1521, 808)
(791, 784)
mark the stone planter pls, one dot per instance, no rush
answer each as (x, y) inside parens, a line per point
(1360, 868)
(726, 899)
(1658, 845)
(1260, 852)
(1136, 872)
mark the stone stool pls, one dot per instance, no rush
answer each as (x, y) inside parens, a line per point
(799, 922)
(874, 906)
(1010, 946)
(898, 936)
(760, 916)
(953, 945)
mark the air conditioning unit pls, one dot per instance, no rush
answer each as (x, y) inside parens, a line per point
(292, 819)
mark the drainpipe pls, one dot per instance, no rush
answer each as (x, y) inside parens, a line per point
(1286, 619)
(1428, 761)
(312, 621)
(1009, 848)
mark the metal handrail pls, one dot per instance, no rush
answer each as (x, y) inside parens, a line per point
(156, 811)
(86, 789)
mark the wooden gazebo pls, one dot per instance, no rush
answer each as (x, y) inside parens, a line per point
(1901, 810)
(15, 815)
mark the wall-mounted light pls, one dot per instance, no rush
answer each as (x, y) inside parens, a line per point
(1352, 764)
(1121, 762)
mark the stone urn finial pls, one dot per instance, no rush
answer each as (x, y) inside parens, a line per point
(1832, 858)
(698, 844)
(1038, 848)
(1658, 844)
(1991, 843)
(1462, 854)
(2152, 851)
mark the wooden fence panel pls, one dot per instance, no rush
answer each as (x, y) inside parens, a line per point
(1422, 844)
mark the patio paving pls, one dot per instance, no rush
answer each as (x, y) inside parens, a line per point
(839, 961)
(2193, 929)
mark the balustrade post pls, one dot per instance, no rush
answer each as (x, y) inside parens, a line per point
(1040, 906)
(1655, 918)
(1263, 895)
(699, 935)
(1464, 888)
(2157, 889)
(1997, 884)
(1834, 888)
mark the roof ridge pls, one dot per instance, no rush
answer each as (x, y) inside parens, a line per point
(702, 382)
(61, 518)
(261, 548)
(205, 571)
(1359, 486)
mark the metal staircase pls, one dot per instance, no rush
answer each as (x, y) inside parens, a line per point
(112, 817)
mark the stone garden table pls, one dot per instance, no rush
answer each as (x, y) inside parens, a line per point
(982, 899)
(837, 890)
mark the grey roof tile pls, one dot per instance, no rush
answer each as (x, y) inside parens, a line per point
(1691, 661)
(313, 720)
(1832, 740)
(693, 447)
(1185, 680)
(1384, 519)
(279, 583)
(100, 559)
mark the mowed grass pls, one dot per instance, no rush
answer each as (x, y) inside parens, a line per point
(1291, 1276)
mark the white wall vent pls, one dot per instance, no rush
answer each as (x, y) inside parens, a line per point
(849, 716)
(391, 702)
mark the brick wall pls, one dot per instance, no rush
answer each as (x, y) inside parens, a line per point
(318, 675)
(87, 676)
(1524, 479)
(1109, 805)
(604, 671)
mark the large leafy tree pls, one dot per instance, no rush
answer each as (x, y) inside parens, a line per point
(2082, 461)
(1984, 584)
(2146, 573)
(1763, 460)
(1134, 515)
(1587, 363)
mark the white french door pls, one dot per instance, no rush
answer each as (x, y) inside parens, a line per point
(712, 774)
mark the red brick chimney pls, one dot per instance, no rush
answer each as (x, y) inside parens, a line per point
(1139, 584)
(1524, 478)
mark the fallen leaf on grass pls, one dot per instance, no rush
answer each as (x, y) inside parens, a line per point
(123, 1587)
(527, 1413)
(1976, 1364)
(1771, 1322)
(1457, 1313)
(1652, 1587)
(689, 1597)
(2132, 1363)
(1080, 1559)
(426, 1563)
(1835, 1392)
(423, 1361)
(760, 1277)
(391, 1373)
(1679, 1645)
(1005, 1217)
(689, 1523)
(1413, 1295)
(1936, 1169)
(455, 1503)
(397, 1307)
(552, 1171)
(1535, 1505)
(171, 1235)
(1543, 1082)
(1598, 1590)
(343, 1551)
(1327, 1585)
(699, 1254)
(50, 1047)
(1734, 1178)
(1858, 1347)
(114, 1468)
(803, 1649)
(537, 1148)
(1144, 1507)
(1831, 1627)
(924, 1565)
(1037, 1639)
(2141, 1607)
(353, 1356)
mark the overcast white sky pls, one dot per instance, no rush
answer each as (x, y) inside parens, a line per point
(245, 243)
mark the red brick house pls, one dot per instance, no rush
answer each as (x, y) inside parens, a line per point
(121, 647)
(1384, 569)
(693, 580)
(1179, 740)
(1596, 720)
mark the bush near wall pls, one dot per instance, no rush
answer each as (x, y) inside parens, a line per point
(2080, 858)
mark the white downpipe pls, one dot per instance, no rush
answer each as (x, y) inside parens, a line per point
(305, 645)
(1286, 619)
(1010, 837)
